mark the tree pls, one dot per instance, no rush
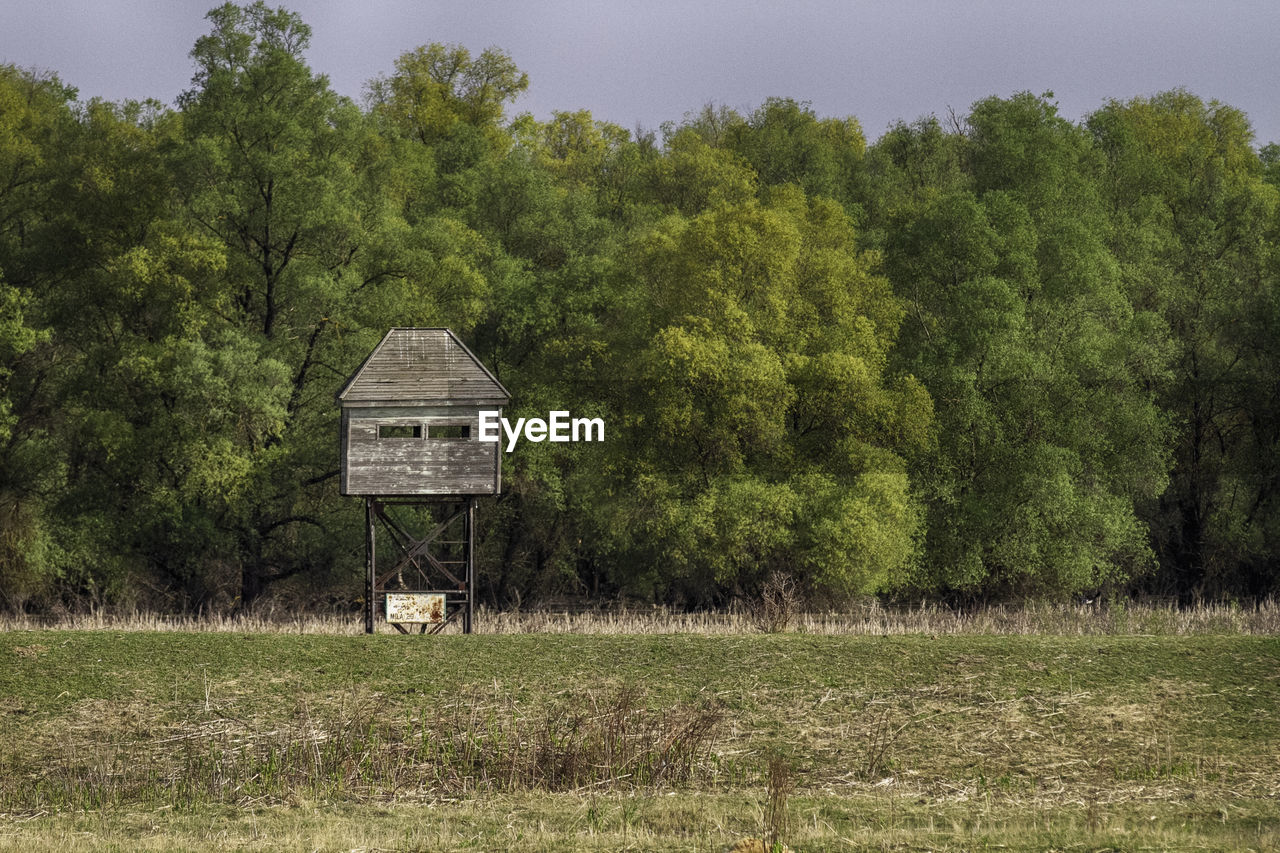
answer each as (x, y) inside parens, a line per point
(786, 143)
(693, 176)
(1018, 325)
(759, 427)
(438, 90)
(1194, 224)
(23, 541)
(293, 185)
(35, 118)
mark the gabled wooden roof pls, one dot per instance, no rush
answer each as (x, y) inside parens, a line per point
(424, 366)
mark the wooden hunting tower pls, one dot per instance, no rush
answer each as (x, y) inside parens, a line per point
(411, 448)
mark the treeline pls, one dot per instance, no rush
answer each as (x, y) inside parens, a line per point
(1000, 356)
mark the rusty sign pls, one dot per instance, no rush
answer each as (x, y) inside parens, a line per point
(423, 607)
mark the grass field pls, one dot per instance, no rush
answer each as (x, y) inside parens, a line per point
(117, 739)
(868, 618)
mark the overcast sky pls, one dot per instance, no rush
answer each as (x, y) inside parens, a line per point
(643, 63)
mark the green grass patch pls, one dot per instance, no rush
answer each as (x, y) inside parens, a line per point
(640, 742)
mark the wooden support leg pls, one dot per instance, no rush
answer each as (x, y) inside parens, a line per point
(469, 542)
(370, 565)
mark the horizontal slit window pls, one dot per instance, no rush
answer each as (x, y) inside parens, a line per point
(449, 431)
(399, 430)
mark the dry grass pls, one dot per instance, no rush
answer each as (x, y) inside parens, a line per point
(706, 823)
(867, 619)
(111, 755)
(557, 742)
(778, 604)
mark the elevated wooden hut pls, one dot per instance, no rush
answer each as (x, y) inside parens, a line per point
(411, 448)
(410, 419)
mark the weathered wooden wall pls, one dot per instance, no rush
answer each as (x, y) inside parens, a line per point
(417, 466)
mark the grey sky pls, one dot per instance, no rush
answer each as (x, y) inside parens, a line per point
(645, 63)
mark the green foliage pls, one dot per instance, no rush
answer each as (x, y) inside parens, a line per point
(694, 176)
(996, 356)
(436, 89)
(35, 118)
(24, 541)
(759, 426)
(786, 143)
(16, 339)
(1195, 234)
(1019, 326)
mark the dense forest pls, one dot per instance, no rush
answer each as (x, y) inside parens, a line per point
(995, 356)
